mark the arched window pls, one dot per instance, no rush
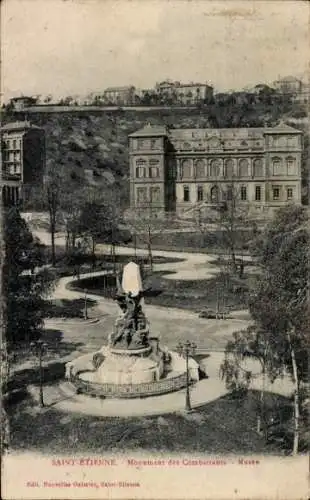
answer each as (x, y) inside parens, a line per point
(229, 169)
(291, 165)
(200, 168)
(214, 194)
(243, 168)
(186, 169)
(277, 166)
(214, 168)
(258, 167)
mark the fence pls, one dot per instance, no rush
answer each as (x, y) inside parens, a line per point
(129, 390)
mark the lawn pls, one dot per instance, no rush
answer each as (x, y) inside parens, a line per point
(226, 425)
(195, 295)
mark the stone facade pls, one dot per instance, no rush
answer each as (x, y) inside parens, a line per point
(172, 170)
(185, 93)
(23, 160)
(120, 95)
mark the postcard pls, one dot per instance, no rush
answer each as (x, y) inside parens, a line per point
(154, 249)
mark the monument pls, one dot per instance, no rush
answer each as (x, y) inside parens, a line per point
(133, 363)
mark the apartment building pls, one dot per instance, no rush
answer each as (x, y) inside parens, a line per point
(23, 160)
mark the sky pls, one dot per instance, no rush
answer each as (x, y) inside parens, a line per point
(69, 47)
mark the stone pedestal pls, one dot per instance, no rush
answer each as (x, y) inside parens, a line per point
(126, 367)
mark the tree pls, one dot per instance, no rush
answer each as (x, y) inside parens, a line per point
(255, 344)
(24, 292)
(230, 216)
(144, 224)
(95, 223)
(280, 301)
(51, 194)
(278, 304)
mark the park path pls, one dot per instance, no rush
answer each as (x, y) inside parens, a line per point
(189, 266)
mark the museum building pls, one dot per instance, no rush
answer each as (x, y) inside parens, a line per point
(175, 170)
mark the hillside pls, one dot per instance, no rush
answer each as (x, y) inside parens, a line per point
(93, 145)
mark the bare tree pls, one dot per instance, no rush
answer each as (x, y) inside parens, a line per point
(229, 215)
(144, 225)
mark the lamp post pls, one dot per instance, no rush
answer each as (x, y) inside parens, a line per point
(85, 304)
(186, 349)
(39, 348)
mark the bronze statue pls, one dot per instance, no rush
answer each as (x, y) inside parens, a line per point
(131, 328)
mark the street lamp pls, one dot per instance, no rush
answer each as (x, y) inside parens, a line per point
(39, 348)
(186, 349)
(85, 304)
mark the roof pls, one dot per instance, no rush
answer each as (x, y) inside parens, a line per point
(23, 98)
(19, 126)
(151, 130)
(283, 128)
(118, 89)
(238, 133)
(288, 78)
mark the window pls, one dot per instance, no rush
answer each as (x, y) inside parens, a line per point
(243, 168)
(291, 141)
(200, 169)
(229, 194)
(14, 143)
(140, 168)
(153, 143)
(141, 194)
(153, 172)
(258, 193)
(214, 194)
(277, 166)
(199, 193)
(186, 193)
(258, 167)
(214, 143)
(141, 144)
(229, 169)
(243, 193)
(276, 193)
(172, 169)
(291, 166)
(214, 168)
(140, 172)
(289, 193)
(155, 194)
(186, 169)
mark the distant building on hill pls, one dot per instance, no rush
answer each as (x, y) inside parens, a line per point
(121, 96)
(184, 93)
(173, 170)
(288, 85)
(20, 103)
(23, 160)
